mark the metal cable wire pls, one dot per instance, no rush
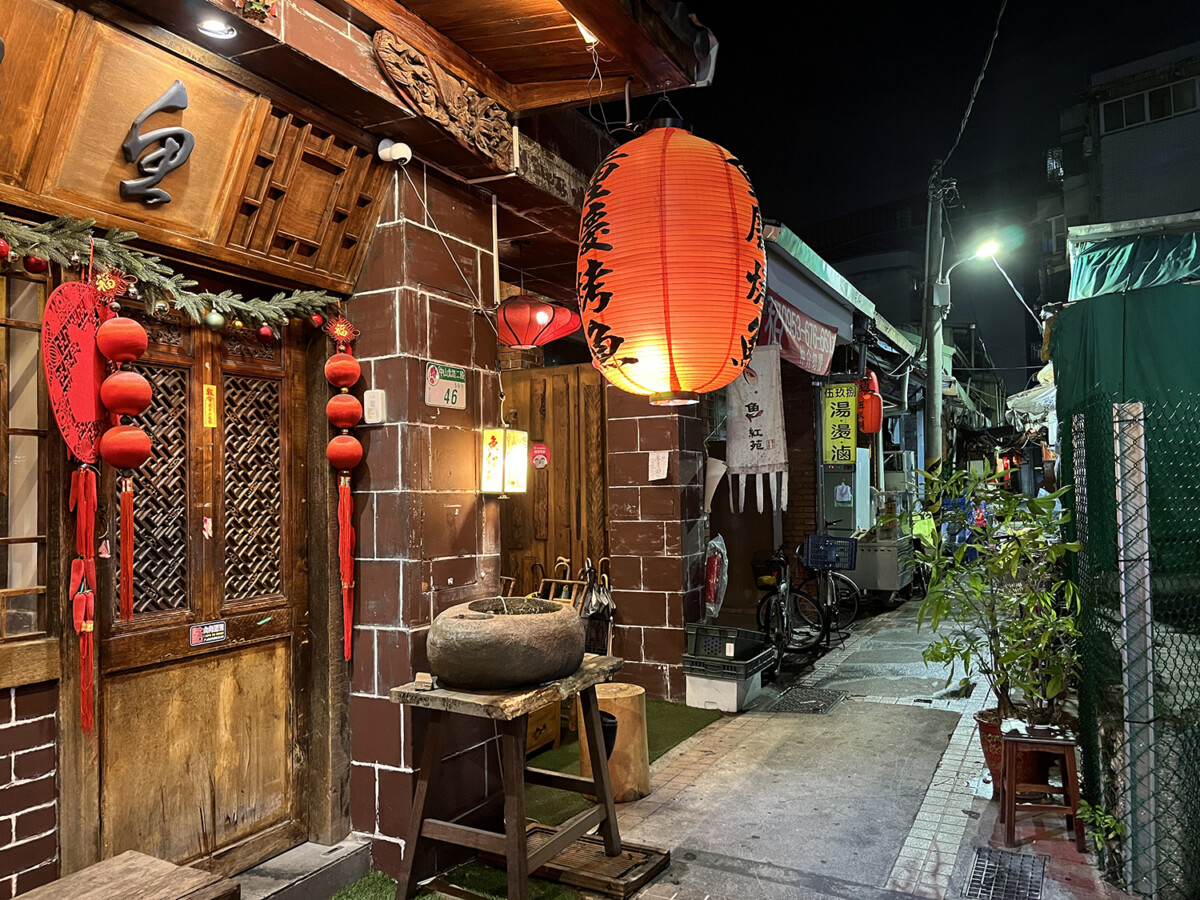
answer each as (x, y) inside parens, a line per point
(978, 81)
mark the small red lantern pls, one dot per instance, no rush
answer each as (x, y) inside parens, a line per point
(671, 272)
(343, 410)
(525, 322)
(342, 370)
(125, 446)
(122, 339)
(126, 393)
(870, 405)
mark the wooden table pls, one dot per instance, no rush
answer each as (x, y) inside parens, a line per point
(511, 710)
(136, 875)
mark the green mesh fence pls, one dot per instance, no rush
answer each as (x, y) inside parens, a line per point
(1136, 474)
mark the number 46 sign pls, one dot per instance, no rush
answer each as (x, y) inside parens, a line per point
(445, 386)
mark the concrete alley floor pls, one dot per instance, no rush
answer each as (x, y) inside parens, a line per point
(876, 800)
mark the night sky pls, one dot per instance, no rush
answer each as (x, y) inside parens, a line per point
(840, 106)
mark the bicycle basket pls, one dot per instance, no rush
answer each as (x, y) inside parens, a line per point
(824, 551)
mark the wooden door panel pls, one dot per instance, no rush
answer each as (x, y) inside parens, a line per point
(564, 512)
(218, 727)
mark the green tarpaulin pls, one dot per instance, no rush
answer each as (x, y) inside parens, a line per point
(1114, 265)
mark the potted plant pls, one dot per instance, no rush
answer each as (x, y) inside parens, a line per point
(998, 601)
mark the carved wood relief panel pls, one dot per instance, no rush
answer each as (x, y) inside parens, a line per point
(309, 199)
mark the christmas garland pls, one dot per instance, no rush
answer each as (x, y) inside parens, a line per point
(70, 242)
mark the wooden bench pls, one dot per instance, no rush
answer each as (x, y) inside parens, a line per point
(136, 876)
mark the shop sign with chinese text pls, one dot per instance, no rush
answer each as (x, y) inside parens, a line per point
(839, 424)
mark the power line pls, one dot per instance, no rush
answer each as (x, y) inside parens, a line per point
(978, 81)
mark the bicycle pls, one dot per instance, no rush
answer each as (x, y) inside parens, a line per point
(836, 603)
(846, 593)
(775, 611)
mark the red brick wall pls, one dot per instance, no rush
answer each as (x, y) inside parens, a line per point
(656, 538)
(800, 520)
(426, 538)
(28, 788)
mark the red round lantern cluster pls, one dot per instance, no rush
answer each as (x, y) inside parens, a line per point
(870, 405)
(124, 393)
(671, 273)
(344, 452)
(525, 322)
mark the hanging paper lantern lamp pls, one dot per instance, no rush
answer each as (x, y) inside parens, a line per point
(344, 453)
(124, 393)
(525, 322)
(672, 266)
(870, 405)
(505, 461)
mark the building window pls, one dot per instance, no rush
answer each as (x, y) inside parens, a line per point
(1149, 106)
(23, 427)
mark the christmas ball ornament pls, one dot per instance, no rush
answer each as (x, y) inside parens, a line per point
(343, 411)
(125, 446)
(115, 306)
(5, 247)
(344, 452)
(342, 370)
(35, 265)
(132, 293)
(266, 333)
(76, 262)
(239, 324)
(121, 339)
(160, 307)
(672, 266)
(317, 320)
(213, 320)
(126, 393)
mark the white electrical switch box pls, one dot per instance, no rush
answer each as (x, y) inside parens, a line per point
(374, 407)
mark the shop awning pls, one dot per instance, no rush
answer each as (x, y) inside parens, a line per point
(1113, 265)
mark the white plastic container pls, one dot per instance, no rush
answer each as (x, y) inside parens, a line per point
(727, 695)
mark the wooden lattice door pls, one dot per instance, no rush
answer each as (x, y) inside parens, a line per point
(201, 707)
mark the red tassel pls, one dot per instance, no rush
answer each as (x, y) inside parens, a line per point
(87, 715)
(127, 549)
(83, 583)
(346, 555)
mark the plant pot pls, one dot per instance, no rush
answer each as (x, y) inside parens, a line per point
(1032, 768)
(505, 642)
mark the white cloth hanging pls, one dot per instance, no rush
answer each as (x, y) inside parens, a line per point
(756, 443)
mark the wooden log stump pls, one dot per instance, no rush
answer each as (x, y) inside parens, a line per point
(629, 765)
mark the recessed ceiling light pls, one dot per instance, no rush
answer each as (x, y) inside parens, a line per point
(215, 28)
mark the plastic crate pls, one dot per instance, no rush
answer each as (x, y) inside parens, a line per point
(824, 551)
(728, 669)
(720, 642)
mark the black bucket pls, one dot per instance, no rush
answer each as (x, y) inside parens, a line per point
(608, 727)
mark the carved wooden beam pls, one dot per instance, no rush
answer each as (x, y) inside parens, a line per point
(548, 95)
(640, 37)
(451, 57)
(474, 120)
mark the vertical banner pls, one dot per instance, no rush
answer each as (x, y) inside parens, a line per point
(839, 424)
(755, 440)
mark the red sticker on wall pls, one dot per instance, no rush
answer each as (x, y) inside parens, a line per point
(539, 455)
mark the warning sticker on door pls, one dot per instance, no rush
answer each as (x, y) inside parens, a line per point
(206, 633)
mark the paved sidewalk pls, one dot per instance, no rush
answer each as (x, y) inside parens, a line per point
(884, 798)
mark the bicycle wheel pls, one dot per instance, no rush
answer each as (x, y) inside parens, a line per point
(806, 612)
(846, 601)
(773, 613)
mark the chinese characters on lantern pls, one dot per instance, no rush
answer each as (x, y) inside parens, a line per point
(839, 424)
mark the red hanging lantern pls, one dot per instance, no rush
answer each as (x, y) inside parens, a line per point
(672, 266)
(124, 393)
(870, 405)
(525, 322)
(344, 453)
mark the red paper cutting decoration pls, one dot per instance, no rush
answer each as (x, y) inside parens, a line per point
(344, 453)
(672, 266)
(525, 322)
(74, 370)
(124, 393)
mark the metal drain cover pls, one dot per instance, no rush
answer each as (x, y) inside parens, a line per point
(1003, 875)
(808, 700)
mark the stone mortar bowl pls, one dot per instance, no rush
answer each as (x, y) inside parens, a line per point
(505, 642)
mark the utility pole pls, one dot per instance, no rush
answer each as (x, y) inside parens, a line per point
(935, 302)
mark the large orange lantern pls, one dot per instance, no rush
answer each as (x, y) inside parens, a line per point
(672, 267)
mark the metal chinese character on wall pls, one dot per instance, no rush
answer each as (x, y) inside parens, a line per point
(176, 146)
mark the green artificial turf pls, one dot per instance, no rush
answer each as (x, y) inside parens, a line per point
(667, 724)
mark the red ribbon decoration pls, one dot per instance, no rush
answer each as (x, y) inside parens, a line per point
(83, 585)
(126, 548)
(346, 538)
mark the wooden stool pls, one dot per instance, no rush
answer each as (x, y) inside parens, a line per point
(1064, 748)
(510, 710)
(629, 765)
